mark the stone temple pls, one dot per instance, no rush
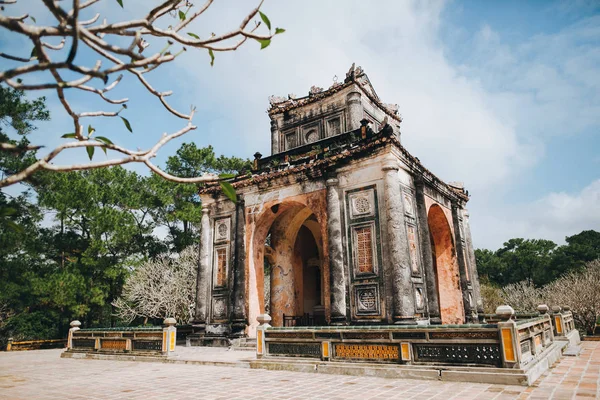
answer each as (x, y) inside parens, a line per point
(340, 225)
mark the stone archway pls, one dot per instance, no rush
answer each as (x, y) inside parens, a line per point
(295, 254)
(446, 267)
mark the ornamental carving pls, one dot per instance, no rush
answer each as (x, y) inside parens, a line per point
(362, 204)
(412, 247)
(419, 298)
(312, 136)
(488, 354)
(367, 300)
(367, 351)
(295, 349)
(408, 204)
(222, 229)
(219, 308)
(315, 90)
(273, 100)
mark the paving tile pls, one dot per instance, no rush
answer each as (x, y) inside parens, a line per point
(43, 375)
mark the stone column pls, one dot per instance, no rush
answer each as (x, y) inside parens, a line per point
(433, 303)
(472, 262)
(274, 137)
(403, 299)
(203, 277)
(354, 109)
(463, 266)
(238, 313)
(336, 254)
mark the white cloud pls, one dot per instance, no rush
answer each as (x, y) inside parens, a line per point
(554, 216)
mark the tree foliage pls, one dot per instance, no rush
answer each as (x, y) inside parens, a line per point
(536, 260)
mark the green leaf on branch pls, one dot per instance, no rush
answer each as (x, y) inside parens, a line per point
(127, 124)
(212, 57)
(226, 176)
(91, 130)
(33, 53)
(228, 191)
(264, 43)
(33, 19)
(279, 30)
(265, 20)
(120, 3)
(194, 35)
(90, 151)
(69, 136)
(104, 140)
(181, 15)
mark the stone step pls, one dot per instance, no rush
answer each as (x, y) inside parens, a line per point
(572, 351)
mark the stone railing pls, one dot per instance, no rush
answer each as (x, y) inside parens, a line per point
(35, 344)
(506, 344)
(154, 340)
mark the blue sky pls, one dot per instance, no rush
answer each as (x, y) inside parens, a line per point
(504, 96)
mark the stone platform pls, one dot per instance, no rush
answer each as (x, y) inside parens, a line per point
(42, 374)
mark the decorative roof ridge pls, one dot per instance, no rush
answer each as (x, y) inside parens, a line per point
(353, 76)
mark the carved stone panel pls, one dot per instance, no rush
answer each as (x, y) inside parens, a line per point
(220, 266)
(367, 299)
(334, 126)
(411, 231)
(222, 230)
(488, 354)
(219, 308)
(362, 204)
(364, 248)
(408, 203)
(295, 349)
(419, 299)
(377, 352)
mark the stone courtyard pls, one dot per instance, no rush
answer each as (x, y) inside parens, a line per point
(42, 374)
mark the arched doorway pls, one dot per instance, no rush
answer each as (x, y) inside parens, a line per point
(446, 267)
(287, 255)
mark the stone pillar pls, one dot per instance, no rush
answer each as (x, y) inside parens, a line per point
(403, 311)
(463, 267)
(473, 263)
(263, 320)
(509, 337)
(169, 336)
(74, 328)
(336, 254)
(274, 137)
(433, 303)
(203, 277)
(354, 109)
(238, 312)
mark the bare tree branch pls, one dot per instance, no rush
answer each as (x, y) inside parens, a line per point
(128, 60)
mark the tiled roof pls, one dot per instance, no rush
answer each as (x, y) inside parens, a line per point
(331, 152)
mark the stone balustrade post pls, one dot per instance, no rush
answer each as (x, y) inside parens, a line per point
(203, 276)
(74, 328)
(336, 254)
(558, 321)
(403, 311)
(169, 336)
(509, 337)
(263, 320)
